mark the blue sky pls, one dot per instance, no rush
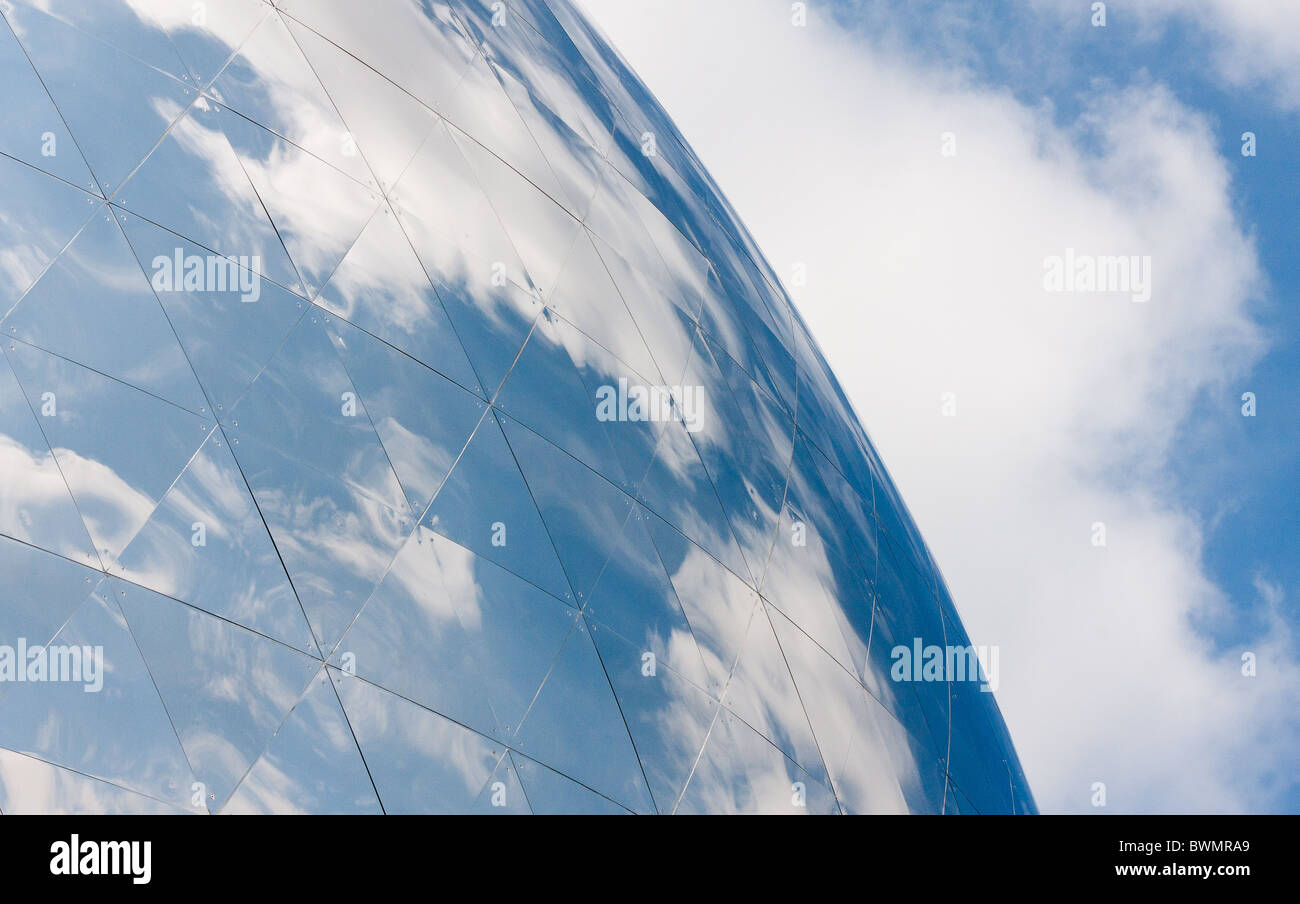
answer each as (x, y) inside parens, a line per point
(1119, 665)
(1242, 475)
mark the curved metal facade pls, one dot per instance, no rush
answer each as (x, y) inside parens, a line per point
(394, 416)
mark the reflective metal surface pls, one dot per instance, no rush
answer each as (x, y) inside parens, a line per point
(397, 418)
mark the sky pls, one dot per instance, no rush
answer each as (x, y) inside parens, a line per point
(923, 163)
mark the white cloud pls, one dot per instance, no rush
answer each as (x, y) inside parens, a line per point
(1270, 592)
(1258, 41)
(1251, 43)
(925, 277)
